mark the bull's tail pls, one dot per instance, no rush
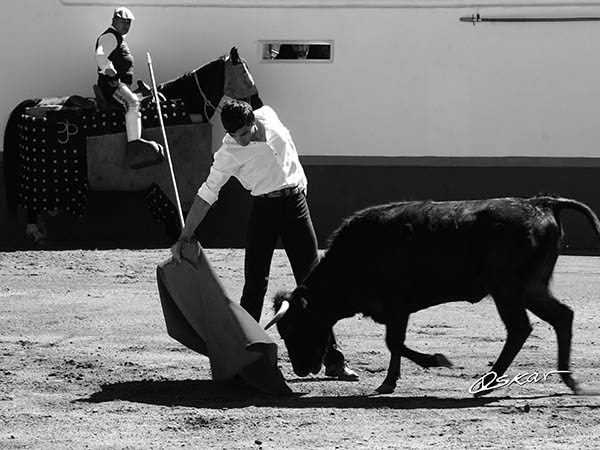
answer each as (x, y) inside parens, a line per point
(11, 154)
(557, 204)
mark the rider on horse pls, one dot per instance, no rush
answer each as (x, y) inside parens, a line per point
(115, 77)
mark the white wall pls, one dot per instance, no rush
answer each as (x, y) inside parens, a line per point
(404, 81)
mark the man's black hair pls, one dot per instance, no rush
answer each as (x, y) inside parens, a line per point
(236, 114)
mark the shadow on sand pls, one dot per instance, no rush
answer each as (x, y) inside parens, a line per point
(236, 394)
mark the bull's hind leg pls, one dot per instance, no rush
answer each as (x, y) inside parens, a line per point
(518, 328)
(544, 305)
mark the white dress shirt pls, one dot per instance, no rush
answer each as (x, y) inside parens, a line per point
(261, 167)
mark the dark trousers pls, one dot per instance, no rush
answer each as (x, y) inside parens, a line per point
(288, 218)
(108, 91)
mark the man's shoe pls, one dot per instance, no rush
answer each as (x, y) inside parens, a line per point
(141, 153)
(342, 372)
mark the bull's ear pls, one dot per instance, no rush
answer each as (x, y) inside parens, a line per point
(299, 295)
(303, 302)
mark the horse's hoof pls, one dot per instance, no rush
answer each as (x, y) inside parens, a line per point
(38, 237)
(42, 243)
(384, 389)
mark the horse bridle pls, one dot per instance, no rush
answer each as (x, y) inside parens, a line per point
(207, 102)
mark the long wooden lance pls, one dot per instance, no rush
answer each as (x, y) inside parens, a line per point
(164, 134)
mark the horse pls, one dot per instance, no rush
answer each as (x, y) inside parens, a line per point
(198, 92)
(202, 89)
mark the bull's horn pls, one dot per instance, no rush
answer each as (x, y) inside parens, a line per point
(285, 305)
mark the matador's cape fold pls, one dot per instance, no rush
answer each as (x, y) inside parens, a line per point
(199, 315)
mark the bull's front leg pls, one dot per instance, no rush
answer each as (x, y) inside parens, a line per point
(394, 338)
(393, 373)
(424, 360)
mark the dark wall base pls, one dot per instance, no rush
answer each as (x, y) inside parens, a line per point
(112, 220)
(337, 191)
(121, 220)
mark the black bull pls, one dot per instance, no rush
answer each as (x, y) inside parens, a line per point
(389, 261)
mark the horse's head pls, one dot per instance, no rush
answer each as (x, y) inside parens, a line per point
(239, 83)
(203, 88)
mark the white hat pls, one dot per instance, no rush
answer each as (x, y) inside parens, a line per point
(123, 13)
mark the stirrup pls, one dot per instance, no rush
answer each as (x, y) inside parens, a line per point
(145, 94)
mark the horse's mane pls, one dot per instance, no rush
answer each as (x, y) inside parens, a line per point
(210, 76)
(176, 85)
(208, 82)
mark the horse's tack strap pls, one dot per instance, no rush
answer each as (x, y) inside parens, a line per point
(206, 100)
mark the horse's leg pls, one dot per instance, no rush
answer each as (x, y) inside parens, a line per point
(33, 229)
(36, 228)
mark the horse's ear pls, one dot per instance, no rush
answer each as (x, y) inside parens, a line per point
(235, 56)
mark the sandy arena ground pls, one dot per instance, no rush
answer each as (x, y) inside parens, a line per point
(85, 362)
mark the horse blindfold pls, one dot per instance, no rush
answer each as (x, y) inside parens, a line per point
(238, 80)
